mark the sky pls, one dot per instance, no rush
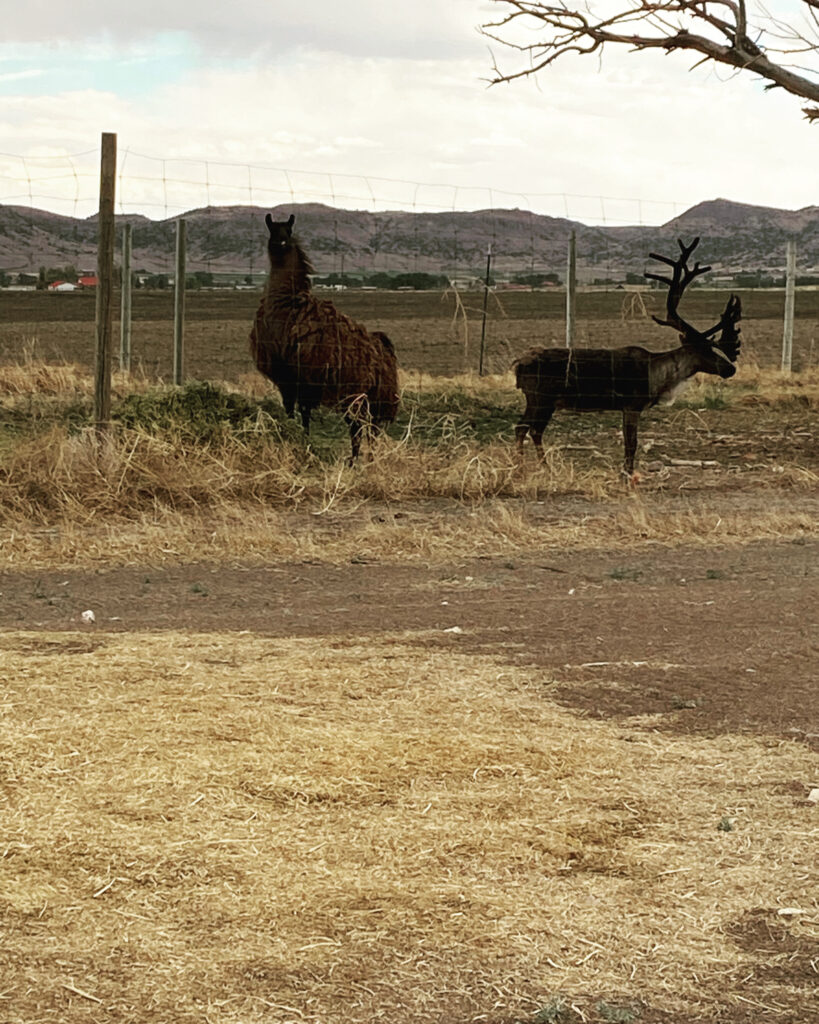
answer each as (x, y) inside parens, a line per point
(368, 104)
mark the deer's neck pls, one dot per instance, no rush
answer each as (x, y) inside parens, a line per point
(671, 371)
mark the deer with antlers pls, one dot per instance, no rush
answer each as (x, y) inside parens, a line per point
(632, 378)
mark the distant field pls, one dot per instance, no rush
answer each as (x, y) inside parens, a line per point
(432, 332)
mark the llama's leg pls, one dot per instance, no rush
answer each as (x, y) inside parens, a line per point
(306, 411)
(288, 393)
(357, 429)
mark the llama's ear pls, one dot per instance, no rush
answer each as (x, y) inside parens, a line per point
(269, 221)
(291, 222)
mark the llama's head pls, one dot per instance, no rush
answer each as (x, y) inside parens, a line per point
(290, 267)
(281, 236)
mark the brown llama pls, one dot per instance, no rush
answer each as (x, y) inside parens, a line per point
(316, 355)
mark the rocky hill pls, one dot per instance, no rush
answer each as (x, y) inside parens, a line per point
(735, 236)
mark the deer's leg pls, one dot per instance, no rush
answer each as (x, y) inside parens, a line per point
(631, 417)
(534, 421)
(523, 425)
(537, 440)
(538, 420)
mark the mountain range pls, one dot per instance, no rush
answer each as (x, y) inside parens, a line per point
(231, 239)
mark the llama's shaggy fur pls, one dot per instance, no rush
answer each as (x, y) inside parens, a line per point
(314, 354)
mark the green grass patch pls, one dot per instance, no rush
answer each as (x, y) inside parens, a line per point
(202, 411)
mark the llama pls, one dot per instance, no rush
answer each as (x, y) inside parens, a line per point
(316, 355)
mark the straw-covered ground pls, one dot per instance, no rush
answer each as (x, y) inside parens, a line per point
(444, 737)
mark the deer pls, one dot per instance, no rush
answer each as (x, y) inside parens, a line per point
(631, 378)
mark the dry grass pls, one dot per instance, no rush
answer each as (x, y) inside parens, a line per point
(38, 378)
(756, 385)
(34, 376)
(430, 532)
(254, 491)
(235, 829)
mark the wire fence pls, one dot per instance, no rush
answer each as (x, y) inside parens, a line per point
(358, 230)
(160, 188)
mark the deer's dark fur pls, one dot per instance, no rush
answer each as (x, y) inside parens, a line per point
(630, 379)
(314, 354)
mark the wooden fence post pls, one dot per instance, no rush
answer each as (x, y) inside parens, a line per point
(105, 282)
(125, 318)
(179, 305)
(790, 301)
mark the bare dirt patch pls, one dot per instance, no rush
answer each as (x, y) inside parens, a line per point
(685, 639)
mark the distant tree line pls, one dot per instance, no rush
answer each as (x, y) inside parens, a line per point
(48, 275)
(416, 281)
(764, 279)
(193, 282)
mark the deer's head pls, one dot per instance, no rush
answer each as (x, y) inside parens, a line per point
(717, 347)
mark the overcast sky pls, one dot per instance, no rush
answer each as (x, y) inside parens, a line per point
(373, 105)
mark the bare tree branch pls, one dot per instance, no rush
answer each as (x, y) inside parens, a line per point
(718, 29)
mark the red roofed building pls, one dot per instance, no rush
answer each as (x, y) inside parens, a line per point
(89, 281)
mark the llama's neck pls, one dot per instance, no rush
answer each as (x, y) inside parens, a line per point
(289, 276)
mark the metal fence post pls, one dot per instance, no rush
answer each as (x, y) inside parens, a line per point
(179, 305)
(125, 317)
(485, 299)
(571, 289)
(105, 282)
(790, 299)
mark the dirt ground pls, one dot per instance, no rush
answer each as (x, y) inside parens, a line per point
(703, 640)
(669, 643)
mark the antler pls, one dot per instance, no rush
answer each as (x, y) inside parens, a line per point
(729, 340)
(680, 279)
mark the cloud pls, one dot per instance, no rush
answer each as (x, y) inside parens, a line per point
(406, 131)
(18, 76)
(259, 29)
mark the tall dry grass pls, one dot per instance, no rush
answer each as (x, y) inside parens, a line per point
(204, 481)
